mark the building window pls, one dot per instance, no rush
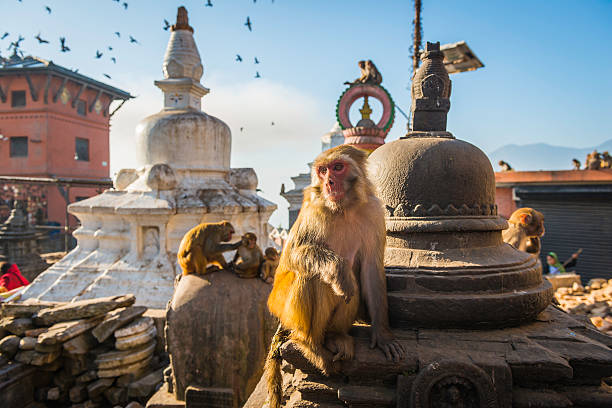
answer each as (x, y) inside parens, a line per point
(81, 151)
(81, 106)
(18, 99)
(19, 146)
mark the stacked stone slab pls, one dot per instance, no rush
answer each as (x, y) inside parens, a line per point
(93, 353)
(593, 301)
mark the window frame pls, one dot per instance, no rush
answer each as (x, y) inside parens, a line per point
(13, 150)
(77, 156)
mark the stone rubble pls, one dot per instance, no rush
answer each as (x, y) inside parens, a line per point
(92, 353)
(593, 301)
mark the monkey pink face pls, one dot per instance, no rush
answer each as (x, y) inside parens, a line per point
(332, 177)
(228, 234)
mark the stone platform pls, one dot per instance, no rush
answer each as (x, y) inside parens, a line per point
(557, 360)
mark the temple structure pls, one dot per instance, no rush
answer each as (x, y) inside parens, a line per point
(472, 313)
(129, 235)
(333, 138)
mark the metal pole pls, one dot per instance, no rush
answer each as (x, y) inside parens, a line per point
(416, 46)
(66, 219)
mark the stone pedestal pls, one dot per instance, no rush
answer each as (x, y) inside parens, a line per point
(553, 361)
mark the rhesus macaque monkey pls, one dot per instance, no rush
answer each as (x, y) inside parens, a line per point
(526, 226)
(268, 267)
(369, 74)
(576, 164)
(593, 161)
(333, 260)
(202, 246)
(505, 166)
(373, 74)
(248, 257)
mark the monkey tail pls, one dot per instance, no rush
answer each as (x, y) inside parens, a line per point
(272, 368)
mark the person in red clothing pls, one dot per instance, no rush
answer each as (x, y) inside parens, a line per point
(10, 277)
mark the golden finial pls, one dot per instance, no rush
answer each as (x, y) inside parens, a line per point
(365, 110)
(182, 21)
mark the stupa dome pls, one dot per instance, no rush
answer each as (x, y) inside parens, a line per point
(185, 140)
(434, 177)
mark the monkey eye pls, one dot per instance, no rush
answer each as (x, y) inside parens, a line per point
(322, 170)
(338, 167)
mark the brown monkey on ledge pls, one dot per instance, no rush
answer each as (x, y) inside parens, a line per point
(248, 257)
(268, 268)
(333, 260)
(202, 246)
(526, 227)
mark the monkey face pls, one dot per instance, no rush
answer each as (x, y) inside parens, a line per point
(228, 231)
(332, 177)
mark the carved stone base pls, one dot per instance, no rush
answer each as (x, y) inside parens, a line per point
(555, 361)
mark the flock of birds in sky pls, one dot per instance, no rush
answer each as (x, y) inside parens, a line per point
(15, 46)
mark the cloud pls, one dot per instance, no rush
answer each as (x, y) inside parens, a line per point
(276, 152)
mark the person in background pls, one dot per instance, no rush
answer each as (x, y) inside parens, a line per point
(553, 266)
(10, 277)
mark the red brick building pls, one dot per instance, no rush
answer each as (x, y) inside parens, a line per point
(54, 123)
(577, 208)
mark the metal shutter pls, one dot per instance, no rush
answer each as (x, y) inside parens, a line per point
(580, 218)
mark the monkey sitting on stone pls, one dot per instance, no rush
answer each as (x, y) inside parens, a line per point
(576, 164)
(268, 267)
(526, 227)
(369, 74)
(505, 166)
(606, 160)
(201, 246)
(331, 268)
(248, 258)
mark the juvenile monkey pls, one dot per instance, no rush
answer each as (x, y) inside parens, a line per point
(268, 267)
(248, 258)
(202, 246)
(333, 260)
(505, 166)
(526, 227)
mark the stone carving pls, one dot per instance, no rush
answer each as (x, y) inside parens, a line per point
(124, 178)
(431, 90)
(160, 177)
(404, 210)
(150, 242)
(453, 384)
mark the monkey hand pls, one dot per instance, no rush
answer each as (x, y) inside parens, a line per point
(385, 340)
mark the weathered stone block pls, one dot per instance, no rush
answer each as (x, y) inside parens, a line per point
(26, 308)
(78, 393)
(126, 369)
(145, 386)
(82, 309)
(61, 332)
(33, 357)
(27, 343)
(80, 344)
(9, 345)
(16, 325)
(121, 358)
(116, 395)
(116, 319)
(138, 326)
(97, 387)
(136, 340)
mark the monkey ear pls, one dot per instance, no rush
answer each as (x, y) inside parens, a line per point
(525, 219)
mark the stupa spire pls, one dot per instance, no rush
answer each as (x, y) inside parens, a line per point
(182, 67)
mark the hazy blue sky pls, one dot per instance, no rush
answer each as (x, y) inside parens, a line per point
(546, 76)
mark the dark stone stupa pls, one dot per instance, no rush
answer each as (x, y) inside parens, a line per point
(472, 312)
(18, 243)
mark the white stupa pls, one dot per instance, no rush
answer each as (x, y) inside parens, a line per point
(129, 235)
